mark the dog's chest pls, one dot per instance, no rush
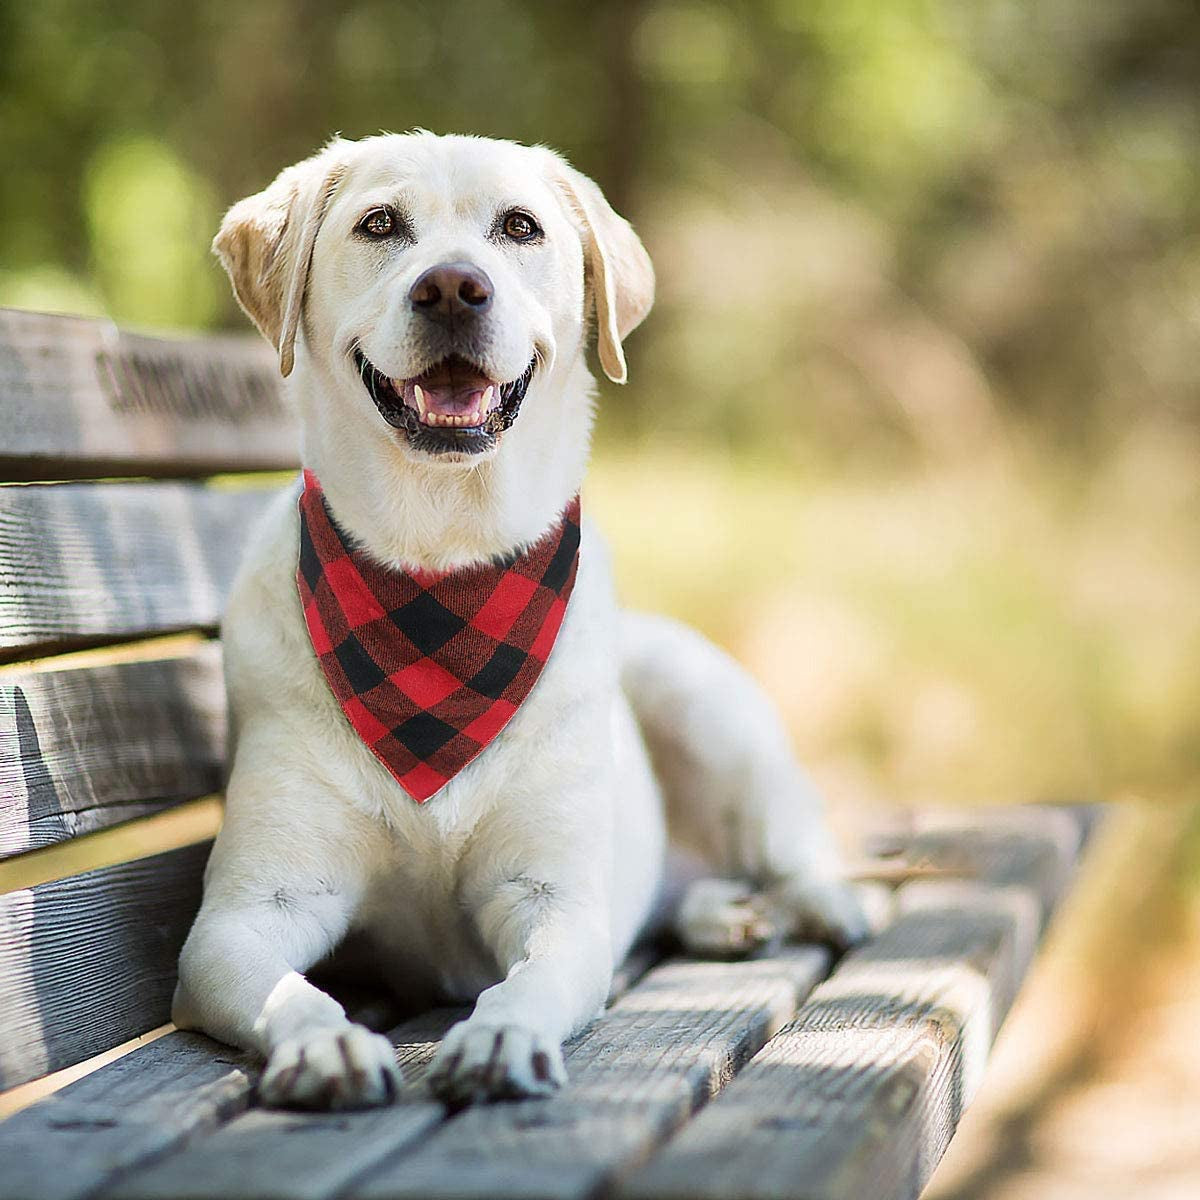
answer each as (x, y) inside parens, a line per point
(424, 937)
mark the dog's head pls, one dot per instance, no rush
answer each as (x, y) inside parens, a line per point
(434, 282)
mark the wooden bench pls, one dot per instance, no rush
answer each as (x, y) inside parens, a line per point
(765, 1078)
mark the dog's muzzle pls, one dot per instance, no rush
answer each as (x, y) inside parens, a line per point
(452, 407)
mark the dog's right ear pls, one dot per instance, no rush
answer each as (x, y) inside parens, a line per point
(619, 273)
(265, 244)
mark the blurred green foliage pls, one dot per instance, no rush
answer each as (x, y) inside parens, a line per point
(915, 424)
(1021, 171)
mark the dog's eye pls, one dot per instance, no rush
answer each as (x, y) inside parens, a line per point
(378, 223)
(520, 226)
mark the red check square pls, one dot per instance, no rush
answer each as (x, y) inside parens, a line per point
(357, 601)
(486, 726)
(366, 724)
(421, 782)
(425, 682)
(505, 604)
(316, 628)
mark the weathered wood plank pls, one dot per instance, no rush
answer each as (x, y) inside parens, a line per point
(92, 1137)
(134, 1111)
(274, 1155)
(128, 1112)
(662, 1050)
(859, 1095)
(87, 563)
(84, 400)
(87, 747)
(88, 962)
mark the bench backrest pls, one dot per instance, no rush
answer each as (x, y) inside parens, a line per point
(130, 541)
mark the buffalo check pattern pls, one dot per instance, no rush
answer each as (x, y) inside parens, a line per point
(428, 667)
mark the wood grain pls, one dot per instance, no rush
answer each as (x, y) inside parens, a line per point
(859, 1095)
(89, 962)
(856, 1097)
(275, 1155)
(83, 564)
(129, 1111)
(85, 748)
(661, 1051)
(662, 1048)
(82, 399)
(111, 1134)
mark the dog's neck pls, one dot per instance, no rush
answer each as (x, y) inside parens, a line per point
(405, 512)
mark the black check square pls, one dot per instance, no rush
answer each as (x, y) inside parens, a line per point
(427, 624)
(310, 562)
(499, 671)
(559, 569)
(361, 671)
(424, 734)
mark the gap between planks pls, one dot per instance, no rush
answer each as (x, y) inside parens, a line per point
(23, 1095)
(185, 824)
(147, 649)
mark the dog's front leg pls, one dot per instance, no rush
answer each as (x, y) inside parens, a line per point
(267, 916)
(240, 981)
(549, 930)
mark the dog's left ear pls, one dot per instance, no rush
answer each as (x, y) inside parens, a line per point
(265, 244)
(618, 269)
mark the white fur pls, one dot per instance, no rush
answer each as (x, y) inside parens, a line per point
(523, 881)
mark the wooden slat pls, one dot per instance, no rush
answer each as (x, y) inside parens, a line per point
(131, 1110)
(82, 400)
(82, 564)
(87, 747)
(135, 1110)
(98, 1131)
(273, 1155)
(956, 957)
(859, 1095)
(662, 1050)
(89, 962)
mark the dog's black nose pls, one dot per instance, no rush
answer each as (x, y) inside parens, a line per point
(451, 290)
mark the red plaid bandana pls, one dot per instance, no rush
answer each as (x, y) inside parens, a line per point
(428, 667)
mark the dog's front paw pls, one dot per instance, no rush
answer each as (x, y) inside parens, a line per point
(825, 911)
(723, 918)
(480, 1061)
(333, 1068)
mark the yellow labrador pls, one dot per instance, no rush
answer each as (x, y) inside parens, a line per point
(430, 299)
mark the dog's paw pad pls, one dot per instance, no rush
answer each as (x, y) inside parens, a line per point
(480, 1061)
(723, 917)
(335, 1068)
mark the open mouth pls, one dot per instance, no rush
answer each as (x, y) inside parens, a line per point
(453, 407)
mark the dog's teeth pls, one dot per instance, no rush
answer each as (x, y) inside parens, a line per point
(420, 397)
(486, 401)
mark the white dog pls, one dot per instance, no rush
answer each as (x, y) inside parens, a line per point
(430, 299)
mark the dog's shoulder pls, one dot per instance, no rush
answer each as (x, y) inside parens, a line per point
(263, 627)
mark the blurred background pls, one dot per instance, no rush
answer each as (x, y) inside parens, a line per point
(914, 428)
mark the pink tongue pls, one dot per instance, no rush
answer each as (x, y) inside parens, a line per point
(451, 401)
